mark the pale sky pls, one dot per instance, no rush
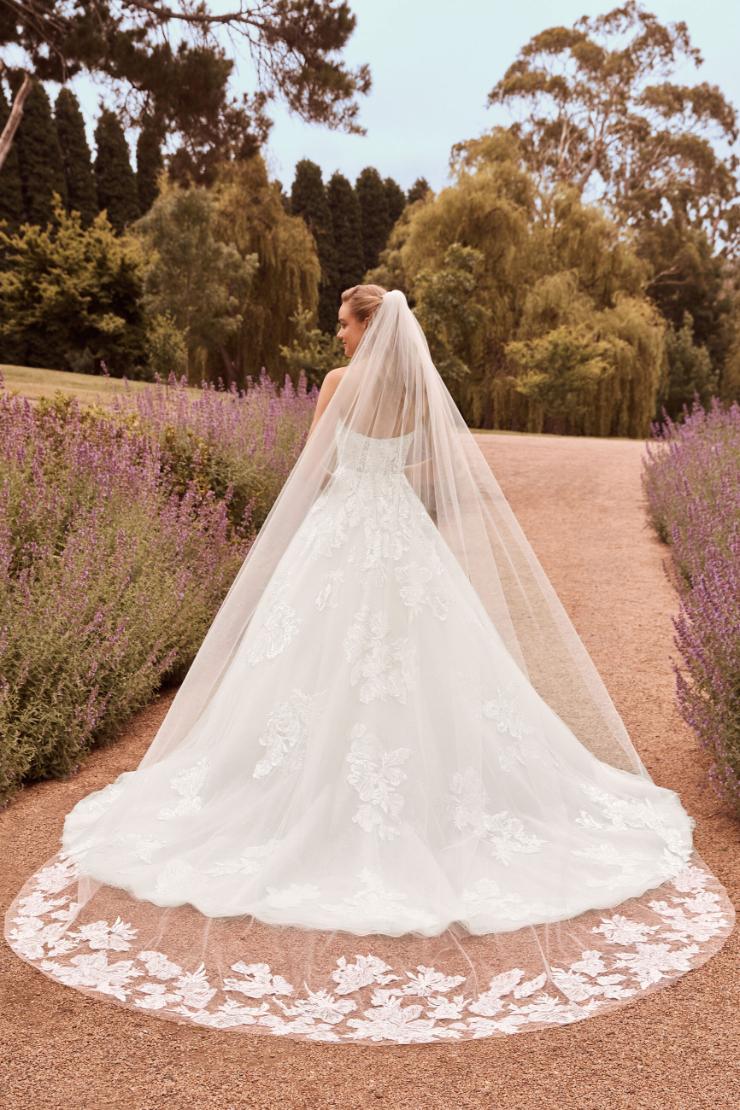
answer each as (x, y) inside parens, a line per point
(433, 63)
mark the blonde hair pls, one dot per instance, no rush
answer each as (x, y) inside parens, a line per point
(363, 300)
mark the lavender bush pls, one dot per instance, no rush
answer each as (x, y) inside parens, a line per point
(245, 441)
(691, 477)
(113, 564)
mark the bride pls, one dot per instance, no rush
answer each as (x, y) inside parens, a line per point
(392, 800)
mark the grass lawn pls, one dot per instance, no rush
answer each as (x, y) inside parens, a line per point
(33, 382)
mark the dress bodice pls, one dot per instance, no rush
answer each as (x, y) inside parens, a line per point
(384, 455)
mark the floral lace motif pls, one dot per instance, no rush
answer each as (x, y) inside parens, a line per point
(372, 899)
(249, 861)
(279, 627)
(384, 668)
(187, 784)
(328, 595)
(366, 998)
(420, 587)
(286, 733)
(513, 751)
(375, 773)
(503, 834)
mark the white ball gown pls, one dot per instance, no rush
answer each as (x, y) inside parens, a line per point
(377, 830)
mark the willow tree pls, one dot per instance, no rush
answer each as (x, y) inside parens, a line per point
(251, 216)
(533, 302)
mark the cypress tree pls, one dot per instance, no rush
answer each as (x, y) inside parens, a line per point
(347, 223)
(149, 162)
(396, 201)
(373, 200)
(114, 177)
(418, 190)
(11, 193)
(308, 199)
(81, 193)
(39, 156)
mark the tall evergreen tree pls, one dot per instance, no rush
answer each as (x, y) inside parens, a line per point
(396, 201)
(149, 162)
(373, 200)
(308, 199)
(346, 220)
(39, 155)
(81, 192)
(418, 190)
(11, 193)
(114, 177)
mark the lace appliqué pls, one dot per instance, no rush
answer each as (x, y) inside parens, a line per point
(375, 773)
(286, 734)
(504, 834)
(503, 710)
(372, 899)
(619, 814)
(367, 998)
(250, 861)
(383, 667)
(328, 595)
(187, 784)
(420, 589)
(278, 628)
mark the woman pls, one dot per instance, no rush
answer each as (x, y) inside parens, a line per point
(392, 800)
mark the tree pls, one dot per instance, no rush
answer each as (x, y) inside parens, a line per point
(419, 190)
(346, 220)
(396, 199)
(114, 177)
(78, 173)
(166, 58)
(199, 281)
(11, 192)
(149, 163)
(308, 199)
(689, 370)
(602, 115)
(376, 221)
(532, 302)
(251, 217)
(39, 158)
(71, 297)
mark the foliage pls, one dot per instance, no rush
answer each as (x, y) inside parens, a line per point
(194, 276)
(531, 301)
(691, 476)
(308, 199)
(604, 115)
(108, 582)
(375, 215)
(250, 216)
(114, 178)
(39, 158)
(78, 172)
(690, 371)
(120, 532)
(239, 445)
(72, 296)
(346, 222)
(312, 351)
(168, 61)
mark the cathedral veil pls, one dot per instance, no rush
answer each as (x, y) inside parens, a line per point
(391, 388)
(392, 422)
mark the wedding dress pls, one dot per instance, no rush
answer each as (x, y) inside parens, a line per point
(365, 822)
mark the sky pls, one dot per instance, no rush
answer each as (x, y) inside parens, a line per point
(433, 63)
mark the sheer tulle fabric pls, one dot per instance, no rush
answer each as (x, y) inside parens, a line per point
(392, 800)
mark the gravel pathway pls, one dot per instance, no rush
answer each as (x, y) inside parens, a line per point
(580, 503)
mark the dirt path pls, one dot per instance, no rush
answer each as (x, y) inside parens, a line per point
(580, 503)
